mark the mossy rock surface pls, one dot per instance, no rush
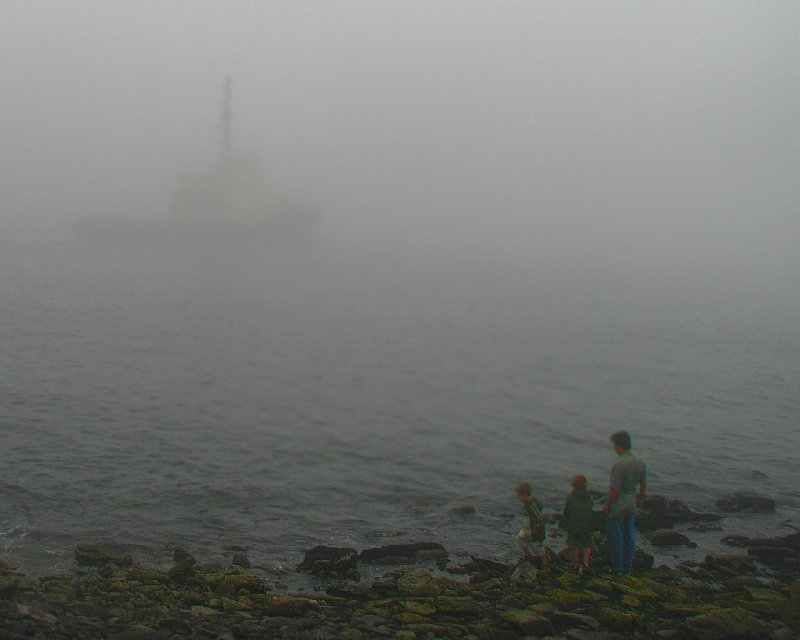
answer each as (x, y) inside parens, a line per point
(724, 624)
(528, 622)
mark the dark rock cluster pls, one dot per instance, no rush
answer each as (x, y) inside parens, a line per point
(722, 597)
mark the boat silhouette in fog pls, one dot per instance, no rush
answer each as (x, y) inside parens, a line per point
(231, 201)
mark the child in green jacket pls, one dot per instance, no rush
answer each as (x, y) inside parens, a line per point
(533, 527)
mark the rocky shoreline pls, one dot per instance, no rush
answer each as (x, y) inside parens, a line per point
(417, 593)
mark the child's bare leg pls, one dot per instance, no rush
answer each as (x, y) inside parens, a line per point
(587, 555)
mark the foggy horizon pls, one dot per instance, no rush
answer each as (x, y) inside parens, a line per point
(620, 136)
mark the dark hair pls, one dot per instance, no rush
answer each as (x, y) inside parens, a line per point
(579, 482)
(523, 489)
(621, 439)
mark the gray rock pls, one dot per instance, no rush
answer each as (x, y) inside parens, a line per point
(179, 554)
(418, 552)
(241, 560)
(669, 538)
(9, 585)
(101, 555)
(323, 561)
(658, 512)
(181, 568)
(463, 510)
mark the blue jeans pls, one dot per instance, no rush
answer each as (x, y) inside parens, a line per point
(621, 535)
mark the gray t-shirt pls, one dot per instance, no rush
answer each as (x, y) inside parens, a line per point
(627, 474)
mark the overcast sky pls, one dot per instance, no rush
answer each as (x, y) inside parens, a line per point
(651, 130)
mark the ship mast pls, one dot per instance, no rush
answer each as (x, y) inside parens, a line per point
(225, 119)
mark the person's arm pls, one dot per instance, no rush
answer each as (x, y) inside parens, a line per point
(613, 494)
(642, 486)
(640, 495)
(614, 487)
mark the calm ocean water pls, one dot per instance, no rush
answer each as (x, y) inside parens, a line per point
(236, 401)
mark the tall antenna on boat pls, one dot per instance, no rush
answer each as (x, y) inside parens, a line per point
(225, 119)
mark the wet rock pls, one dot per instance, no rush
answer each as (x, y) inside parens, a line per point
(735, 540)
(584, 634)
(791, 541)
(9, 585)
(528, 622)
(746, 503)
(138, 632)
(463, 510)
(348, 590)
(642, 561)
(772, 554)
(90, 610)
(101, 555)
(241, 560)
(290, 607)
(461, 607)
(730, 565)
(704, 527)
(329, 561)
(418, 583)
(485, 566)
(658, 512)
(567, 619)
(618, 620)
(145, 574)
(726, 623)
(416, 553)
(181, 568)
(524, 574)
(669, 538)
(179, 554)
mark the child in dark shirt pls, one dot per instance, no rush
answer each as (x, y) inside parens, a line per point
(577, 523)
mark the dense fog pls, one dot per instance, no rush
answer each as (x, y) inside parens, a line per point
(622, 135)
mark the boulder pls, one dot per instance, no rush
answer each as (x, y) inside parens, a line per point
(100, 555)
(415, 553)
(669, 538)
(743, 502)
(329, 561)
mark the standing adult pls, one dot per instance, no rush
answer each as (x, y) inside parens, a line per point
(620, 507)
